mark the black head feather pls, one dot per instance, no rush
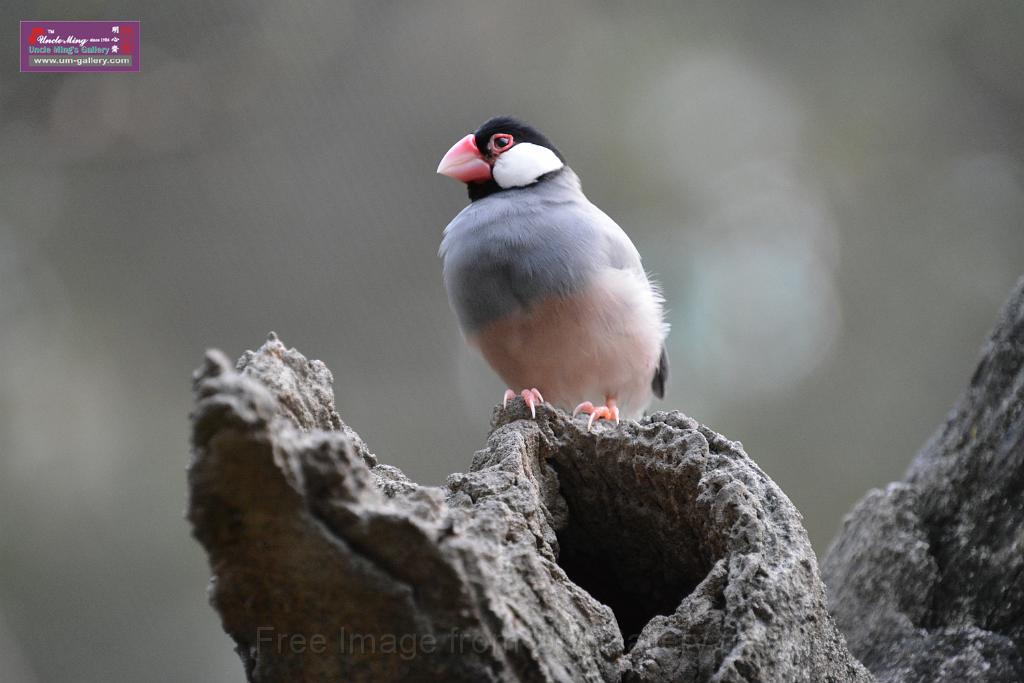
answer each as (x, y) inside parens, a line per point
(520, 132)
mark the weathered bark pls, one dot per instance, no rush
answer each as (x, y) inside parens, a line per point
(926, 578)
(651, 551)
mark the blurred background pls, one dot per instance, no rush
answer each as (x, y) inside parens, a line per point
(830, 195)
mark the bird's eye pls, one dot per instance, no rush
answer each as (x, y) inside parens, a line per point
(501, 142)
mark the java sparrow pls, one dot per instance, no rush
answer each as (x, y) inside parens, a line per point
(545, 284)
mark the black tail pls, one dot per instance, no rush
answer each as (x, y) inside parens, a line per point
(660, 375)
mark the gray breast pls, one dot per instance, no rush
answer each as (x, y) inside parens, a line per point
(506, 250)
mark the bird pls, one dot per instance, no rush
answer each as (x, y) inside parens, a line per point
(546, 285)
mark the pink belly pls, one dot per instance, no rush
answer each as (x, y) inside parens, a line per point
(601, 343)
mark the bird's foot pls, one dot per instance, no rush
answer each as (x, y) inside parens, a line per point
(609, 411)
(531, 396)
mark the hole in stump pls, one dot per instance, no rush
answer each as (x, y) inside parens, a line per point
(631, 545)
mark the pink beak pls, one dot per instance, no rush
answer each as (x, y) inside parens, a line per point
(464, 162)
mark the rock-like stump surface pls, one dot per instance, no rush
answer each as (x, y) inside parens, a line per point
(927, 577)
(650, 551)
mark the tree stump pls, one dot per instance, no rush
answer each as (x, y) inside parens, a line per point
(926, 577)
(654, 550)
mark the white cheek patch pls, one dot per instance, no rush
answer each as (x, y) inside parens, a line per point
(523, 164)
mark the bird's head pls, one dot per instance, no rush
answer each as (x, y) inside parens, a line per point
(503, 153)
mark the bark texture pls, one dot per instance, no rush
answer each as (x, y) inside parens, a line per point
(650, 551)
(926, 577)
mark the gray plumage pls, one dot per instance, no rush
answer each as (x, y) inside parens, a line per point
(508, 249)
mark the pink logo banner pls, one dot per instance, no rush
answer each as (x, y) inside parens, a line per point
(74, 46)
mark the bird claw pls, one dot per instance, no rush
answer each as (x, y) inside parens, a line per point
(585, 407)
(532, 397)
(610, 411)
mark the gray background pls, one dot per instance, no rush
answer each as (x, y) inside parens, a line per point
(831, 196)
